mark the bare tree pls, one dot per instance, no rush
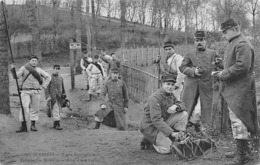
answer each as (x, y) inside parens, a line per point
(142, 10)
(123, 23)
(4, 77)
(253, 7)
(56, 23)
(32, 16)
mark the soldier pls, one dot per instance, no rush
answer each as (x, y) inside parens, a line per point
(173, 62)
(113, 112)
(84, 62)
(197, 65)
(96, 73)
(54, 93)
(164, 118)
(31, 82)
(112, 63)
(239, 89)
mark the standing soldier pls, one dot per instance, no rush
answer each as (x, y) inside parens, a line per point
(239, 89)
(173, 62)
(96, 73)
(112, 63)
(113, 112)
(197, 65)
(31, 81)
(84, 62)
(54, 93)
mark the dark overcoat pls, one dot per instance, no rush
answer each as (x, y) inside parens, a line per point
(116, 91)
(239, 85)
(198, 86)
(155, 114)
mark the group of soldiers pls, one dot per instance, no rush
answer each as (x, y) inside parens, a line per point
(184, 99)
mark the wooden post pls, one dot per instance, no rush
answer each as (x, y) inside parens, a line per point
(72, 66)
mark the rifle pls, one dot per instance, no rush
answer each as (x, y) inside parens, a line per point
(12, 58)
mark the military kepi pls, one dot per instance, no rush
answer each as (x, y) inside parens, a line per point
(56, 66)
(168, 44)
(33, 56)
(114, 70)
(228, 24)
(169, 78)
(200, 34)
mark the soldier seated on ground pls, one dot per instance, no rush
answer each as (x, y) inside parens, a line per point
(164, 118)
(113, 112)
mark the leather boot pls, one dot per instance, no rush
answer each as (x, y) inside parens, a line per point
(54, 124)
(145, 144)
(23, 127)
(97, 125)
(33, 128)
(90, 97)
(58, 127)
(241, 155)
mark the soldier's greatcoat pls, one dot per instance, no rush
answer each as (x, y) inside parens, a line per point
(198, 86)
(117, 100)
(239, 85)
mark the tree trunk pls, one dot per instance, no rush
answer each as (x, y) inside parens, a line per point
(88, 25)
(36, 38)
(93, 30)
(123, 23)
(4, 78)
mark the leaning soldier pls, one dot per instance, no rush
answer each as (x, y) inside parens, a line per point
(54, 93)
(197, 65)
(84, 62)
(113, 112)
(31, 84)
(164, 118)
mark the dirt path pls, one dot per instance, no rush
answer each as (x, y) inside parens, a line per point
(78, 143)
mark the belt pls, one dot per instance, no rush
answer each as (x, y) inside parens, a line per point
(30, 89)
(96, 73)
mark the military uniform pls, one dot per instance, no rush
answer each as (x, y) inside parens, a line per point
(55, 91)
(31, 93)
(117, 100)
(238, 88)
(96, 77)
(84, 62)
(157, 124)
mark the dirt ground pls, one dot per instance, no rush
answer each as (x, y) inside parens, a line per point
(78, 143)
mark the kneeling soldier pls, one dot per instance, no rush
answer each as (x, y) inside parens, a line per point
(164, 118)
(54, 93)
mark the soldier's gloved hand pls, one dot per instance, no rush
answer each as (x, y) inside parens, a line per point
(103, 106)
(223, 76)
(12, 65)
(197, 71)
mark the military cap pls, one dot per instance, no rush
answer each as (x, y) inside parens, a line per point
(228, 24)
(33, 56)
(168, 78)
(168, 44)
(114, 70)
(96, 57)
(56, 66)
(200, 34)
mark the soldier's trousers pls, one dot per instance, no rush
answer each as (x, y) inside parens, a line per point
(31, 103)
(56, 111)
(86, 78)
(96, 82)
(178, 122)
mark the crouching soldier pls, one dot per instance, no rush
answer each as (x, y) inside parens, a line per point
(113, 112)
(164, 118)
(54, 93)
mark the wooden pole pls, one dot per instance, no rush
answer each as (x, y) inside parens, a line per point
(72, 66)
